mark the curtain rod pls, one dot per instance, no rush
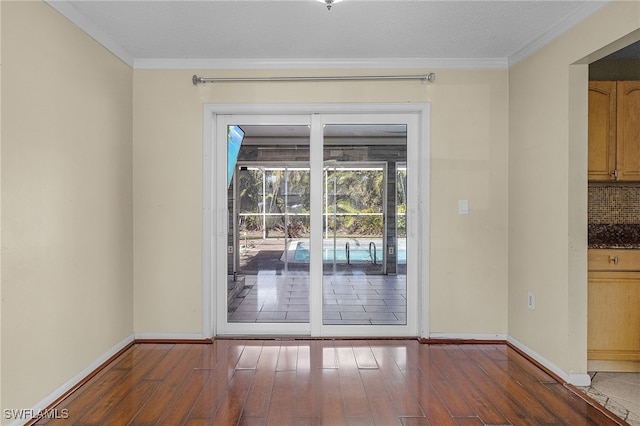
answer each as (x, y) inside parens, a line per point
(424, 77)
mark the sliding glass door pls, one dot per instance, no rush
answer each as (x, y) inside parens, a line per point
(315, 225)
(364, 257)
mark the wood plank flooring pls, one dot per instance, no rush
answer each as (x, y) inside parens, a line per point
(324, 382)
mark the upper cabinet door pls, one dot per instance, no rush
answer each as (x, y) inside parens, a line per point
(628, 130)
(602, 130)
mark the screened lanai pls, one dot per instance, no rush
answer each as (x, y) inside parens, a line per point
(273, 218)
(364, 193)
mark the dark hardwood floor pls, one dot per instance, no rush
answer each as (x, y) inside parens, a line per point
(324, 382)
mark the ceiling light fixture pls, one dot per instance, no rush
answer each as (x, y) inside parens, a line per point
(329, 3)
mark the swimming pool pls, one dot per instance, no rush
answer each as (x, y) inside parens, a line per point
(358, 252)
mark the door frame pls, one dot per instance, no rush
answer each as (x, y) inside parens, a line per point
(214, 216)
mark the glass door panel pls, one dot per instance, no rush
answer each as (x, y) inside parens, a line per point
(364, 248)
(268, 231)
(353, 217)
(401, 218)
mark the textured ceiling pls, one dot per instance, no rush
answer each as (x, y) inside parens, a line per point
(304, 30)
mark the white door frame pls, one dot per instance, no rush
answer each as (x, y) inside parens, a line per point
(215, 211)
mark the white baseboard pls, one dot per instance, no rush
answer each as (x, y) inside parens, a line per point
(60, 391)
(69, 384)
(575, 379)
(169, 336)
(462, 336)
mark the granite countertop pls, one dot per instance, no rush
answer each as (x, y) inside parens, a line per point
(619, 236)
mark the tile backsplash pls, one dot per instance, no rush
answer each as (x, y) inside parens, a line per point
(614, 203)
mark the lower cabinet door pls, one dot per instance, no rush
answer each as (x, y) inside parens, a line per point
(613, 330)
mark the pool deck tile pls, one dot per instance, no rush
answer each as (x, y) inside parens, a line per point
(348, 299)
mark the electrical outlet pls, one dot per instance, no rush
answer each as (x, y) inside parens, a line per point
(230, 249)
(390, 250)
(531, 300)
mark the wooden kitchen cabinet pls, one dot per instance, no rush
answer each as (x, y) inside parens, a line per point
(602, 130)
(614, 130)
(614, 260)
(628, 130)
(613, 327)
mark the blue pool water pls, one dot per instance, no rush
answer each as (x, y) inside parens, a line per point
(357, 254)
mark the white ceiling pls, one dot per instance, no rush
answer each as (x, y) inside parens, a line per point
(299, 33)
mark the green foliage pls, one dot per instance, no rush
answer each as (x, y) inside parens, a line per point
(357, 195)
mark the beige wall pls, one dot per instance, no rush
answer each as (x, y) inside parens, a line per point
(469, 152)
(1, 405)
(547, 188)
(67, 202)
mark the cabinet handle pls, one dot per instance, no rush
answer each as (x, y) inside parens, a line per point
(615, 174)
(613, 259)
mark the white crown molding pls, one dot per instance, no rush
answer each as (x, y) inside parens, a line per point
(363, 63)
(580, 14)
(69, 12)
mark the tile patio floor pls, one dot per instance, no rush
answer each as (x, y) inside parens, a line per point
(348, 299)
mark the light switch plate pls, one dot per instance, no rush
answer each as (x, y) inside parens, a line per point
(463, 206)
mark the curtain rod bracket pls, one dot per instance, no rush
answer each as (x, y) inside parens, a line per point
(431, 77)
